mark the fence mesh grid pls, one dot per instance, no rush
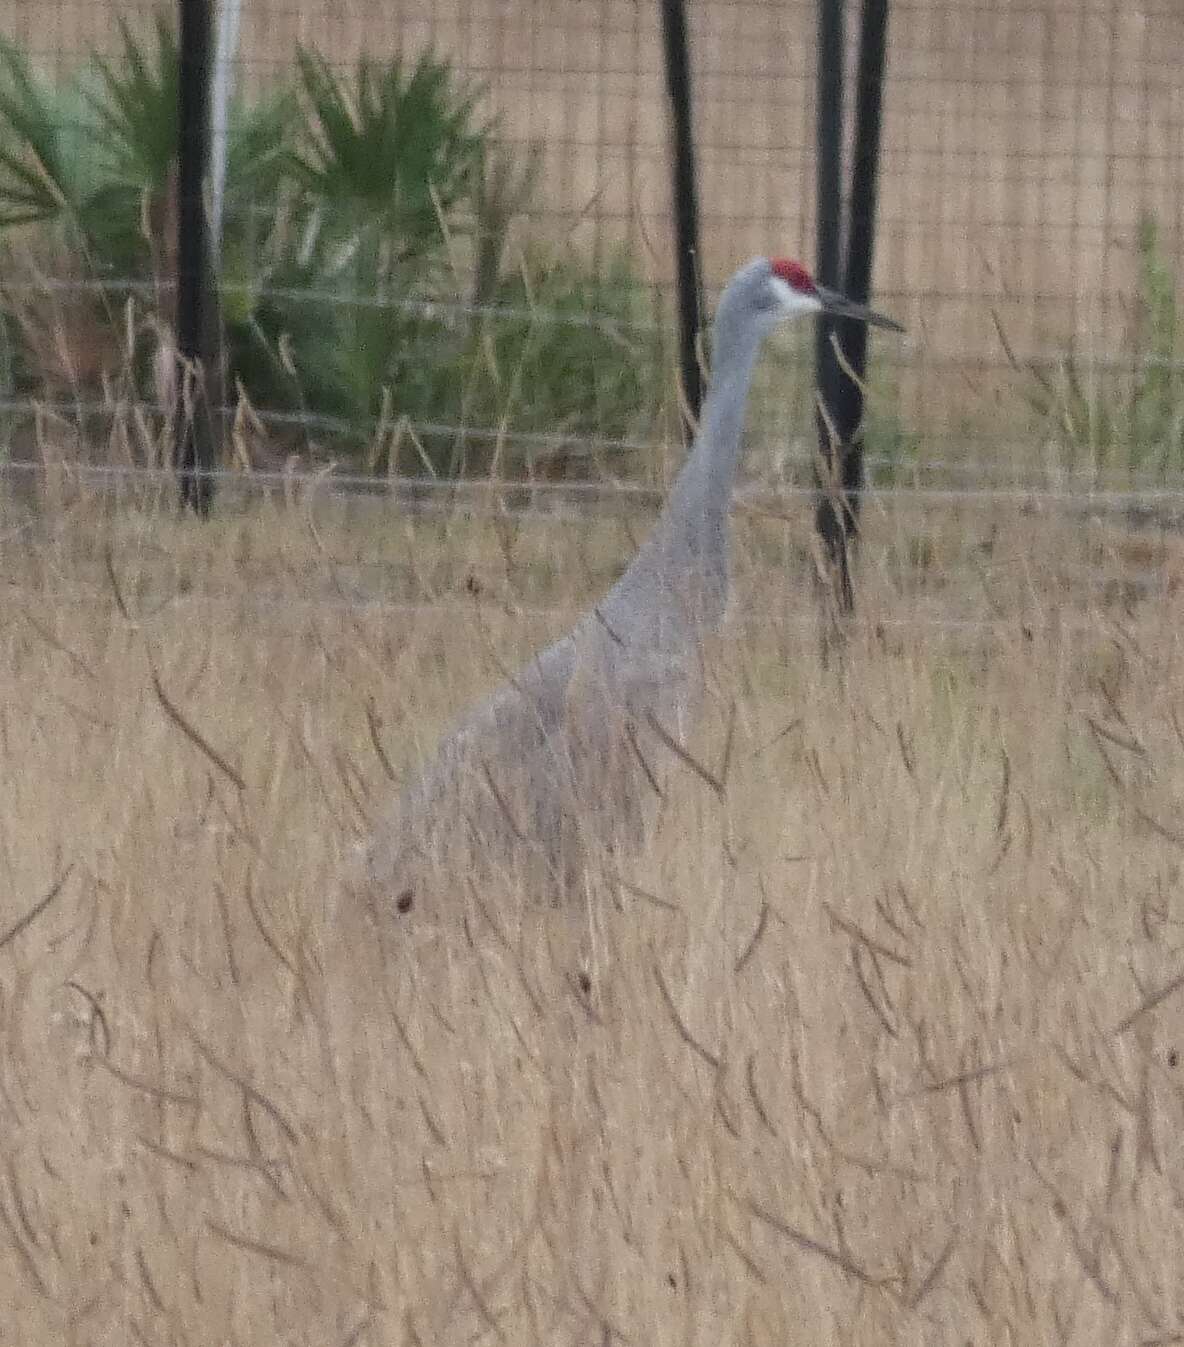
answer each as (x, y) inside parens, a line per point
(1031, 207)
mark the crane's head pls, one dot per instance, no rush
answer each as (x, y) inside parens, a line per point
(777, 288)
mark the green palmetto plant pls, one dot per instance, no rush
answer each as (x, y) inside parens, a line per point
(394, 149)
(86, 168)
(136, 117)
(57, 209)
(90, 150)
(136, 111)
(35, 181)
(386, 162)
(97, 149)
(81, 156)
(136, 120)
(45, 175)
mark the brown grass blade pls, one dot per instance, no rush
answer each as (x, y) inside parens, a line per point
(194, 735)
(23, 923)
(804, 1241)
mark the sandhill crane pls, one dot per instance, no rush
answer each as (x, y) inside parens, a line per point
(570, 750)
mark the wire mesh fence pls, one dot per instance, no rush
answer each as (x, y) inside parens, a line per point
(516, 317)
(973, 565)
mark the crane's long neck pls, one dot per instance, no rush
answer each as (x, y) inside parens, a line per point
(678, 582)
(698, 506)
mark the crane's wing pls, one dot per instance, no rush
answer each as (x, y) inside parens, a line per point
(615, 696)
(490, 784)
(565, 750)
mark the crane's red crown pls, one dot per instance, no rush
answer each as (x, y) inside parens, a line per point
(794, 275)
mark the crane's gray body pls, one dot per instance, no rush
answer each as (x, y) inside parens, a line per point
(565, 753)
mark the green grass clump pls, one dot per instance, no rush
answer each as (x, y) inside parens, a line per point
(1122, 417)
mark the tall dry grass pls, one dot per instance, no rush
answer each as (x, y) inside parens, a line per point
(877, 1043)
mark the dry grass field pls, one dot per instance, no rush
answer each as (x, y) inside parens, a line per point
(877, 1044)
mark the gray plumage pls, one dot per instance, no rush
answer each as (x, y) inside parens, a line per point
(565, 756)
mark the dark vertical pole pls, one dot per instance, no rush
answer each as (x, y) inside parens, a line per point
(829, 123)
(686, 204)
(861, 237)
(195, 431)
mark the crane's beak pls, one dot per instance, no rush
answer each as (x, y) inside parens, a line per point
(839, 306)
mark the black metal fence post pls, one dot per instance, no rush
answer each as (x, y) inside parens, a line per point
(861, 237)
(829, 519)
(686, 205)
(194, 439)
(840, 374)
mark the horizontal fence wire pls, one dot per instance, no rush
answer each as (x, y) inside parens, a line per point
(424, 308)
(977, 561)
(458, 312)
(1013, 460)
(345, 485)
(799, 618)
